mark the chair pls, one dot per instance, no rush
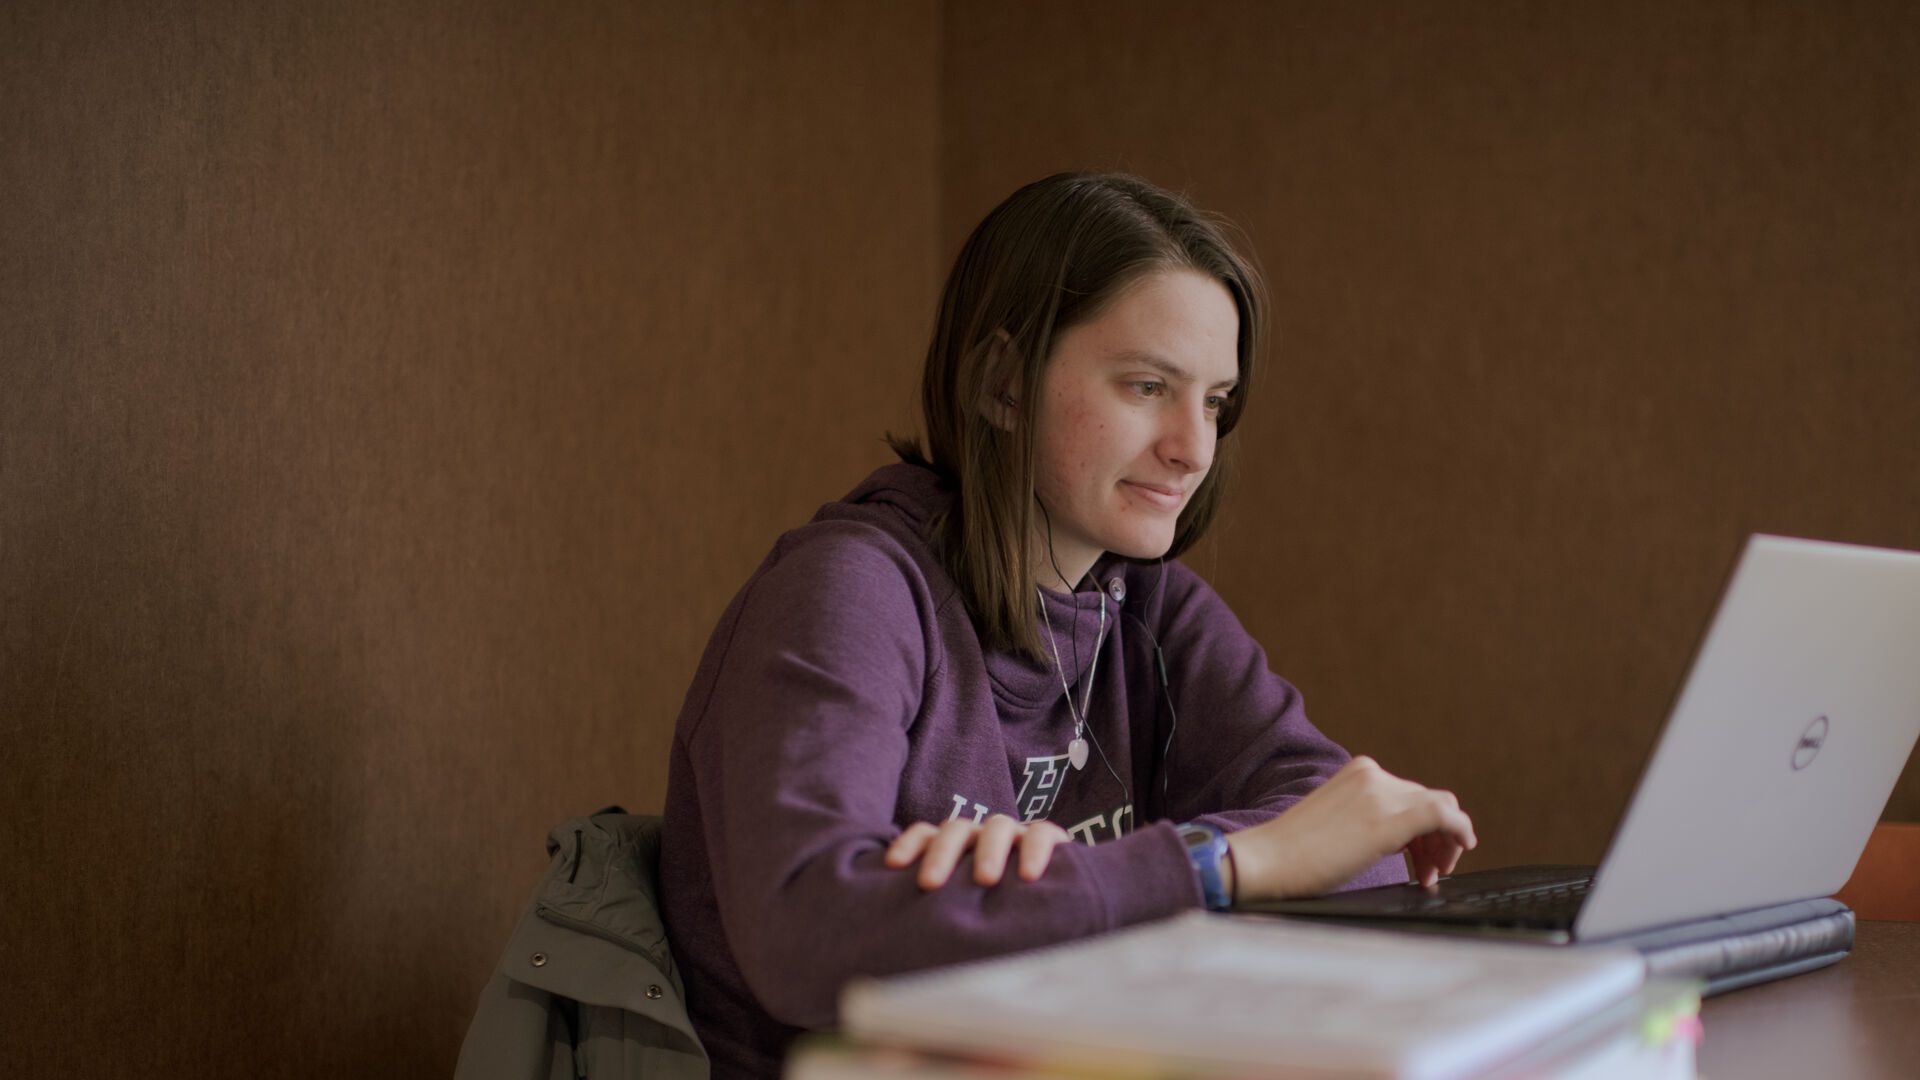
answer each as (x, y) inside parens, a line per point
(1886, 883)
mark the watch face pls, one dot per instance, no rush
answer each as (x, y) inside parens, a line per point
(1196, 838)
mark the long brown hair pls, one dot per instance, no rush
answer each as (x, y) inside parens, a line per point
(1053, 255)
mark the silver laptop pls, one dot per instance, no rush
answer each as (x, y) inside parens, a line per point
(1777, 759)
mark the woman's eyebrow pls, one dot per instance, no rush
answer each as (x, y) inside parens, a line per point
(1166, 367)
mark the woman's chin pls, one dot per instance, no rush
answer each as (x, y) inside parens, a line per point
(1146, 548)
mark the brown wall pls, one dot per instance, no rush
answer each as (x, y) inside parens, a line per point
(390, 402)
(1567, 304)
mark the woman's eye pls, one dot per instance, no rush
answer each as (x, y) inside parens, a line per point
(1216, 402)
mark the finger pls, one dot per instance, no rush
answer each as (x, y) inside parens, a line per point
(991, 848)
(1443, 815)
(944, 851)
(1416, 856)
(1036, 849)
(1420, 861)
(1460, 828)
(1433, 855)
(1426, 815)
(908, 845)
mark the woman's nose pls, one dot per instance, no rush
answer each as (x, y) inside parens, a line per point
(1187, 442)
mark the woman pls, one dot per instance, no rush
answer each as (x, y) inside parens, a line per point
(986, 650)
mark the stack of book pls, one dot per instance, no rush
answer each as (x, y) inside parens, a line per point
(1214, 997)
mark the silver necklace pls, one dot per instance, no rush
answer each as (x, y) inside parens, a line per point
(1077, 749)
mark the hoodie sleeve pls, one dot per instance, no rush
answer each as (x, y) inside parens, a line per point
(1243, 749)
(815, 681)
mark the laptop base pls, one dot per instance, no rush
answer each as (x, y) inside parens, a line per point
(1726, 951)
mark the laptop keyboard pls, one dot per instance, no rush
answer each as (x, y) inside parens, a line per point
(1554, 903)
(1537, 897)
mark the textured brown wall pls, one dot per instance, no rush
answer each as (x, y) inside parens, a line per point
(389, 403)
(1568, 302)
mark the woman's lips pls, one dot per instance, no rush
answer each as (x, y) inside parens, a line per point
(1162, 498)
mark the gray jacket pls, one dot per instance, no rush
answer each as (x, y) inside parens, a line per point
(588, 988)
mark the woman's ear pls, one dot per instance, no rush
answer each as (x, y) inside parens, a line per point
(1003, 412)
(1000, 404)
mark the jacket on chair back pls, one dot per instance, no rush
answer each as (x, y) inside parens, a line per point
(587, 988)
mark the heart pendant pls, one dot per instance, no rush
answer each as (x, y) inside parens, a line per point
(1077, 753)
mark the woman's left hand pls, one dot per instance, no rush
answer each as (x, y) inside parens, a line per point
(939, 848)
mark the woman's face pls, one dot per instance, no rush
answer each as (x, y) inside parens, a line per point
(1126, 422)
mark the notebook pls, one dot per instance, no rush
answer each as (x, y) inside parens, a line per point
(1778, 756)
(1208, 995)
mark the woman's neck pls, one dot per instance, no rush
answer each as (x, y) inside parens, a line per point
(1060, 570)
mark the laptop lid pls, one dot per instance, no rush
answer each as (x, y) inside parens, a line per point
(1777, 759)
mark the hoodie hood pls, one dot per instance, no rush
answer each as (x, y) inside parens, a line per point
(913, 492)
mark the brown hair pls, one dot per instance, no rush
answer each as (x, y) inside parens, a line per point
(1055, 254)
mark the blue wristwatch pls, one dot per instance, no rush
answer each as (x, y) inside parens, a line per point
(1207, 848)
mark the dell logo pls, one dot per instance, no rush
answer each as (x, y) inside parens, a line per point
(1810, 743)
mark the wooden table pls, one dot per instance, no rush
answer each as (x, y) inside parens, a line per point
(1858, 1018)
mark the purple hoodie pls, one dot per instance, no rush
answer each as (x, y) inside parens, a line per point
(845, 695)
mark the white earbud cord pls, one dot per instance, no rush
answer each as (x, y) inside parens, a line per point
(1077, 748)
(1086, 696)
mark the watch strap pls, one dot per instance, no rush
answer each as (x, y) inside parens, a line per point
(1207, 849)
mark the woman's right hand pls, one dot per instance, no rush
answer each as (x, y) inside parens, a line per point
(1362, 814)
(938, 848)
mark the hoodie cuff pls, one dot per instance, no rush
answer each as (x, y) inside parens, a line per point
(1143, 876)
